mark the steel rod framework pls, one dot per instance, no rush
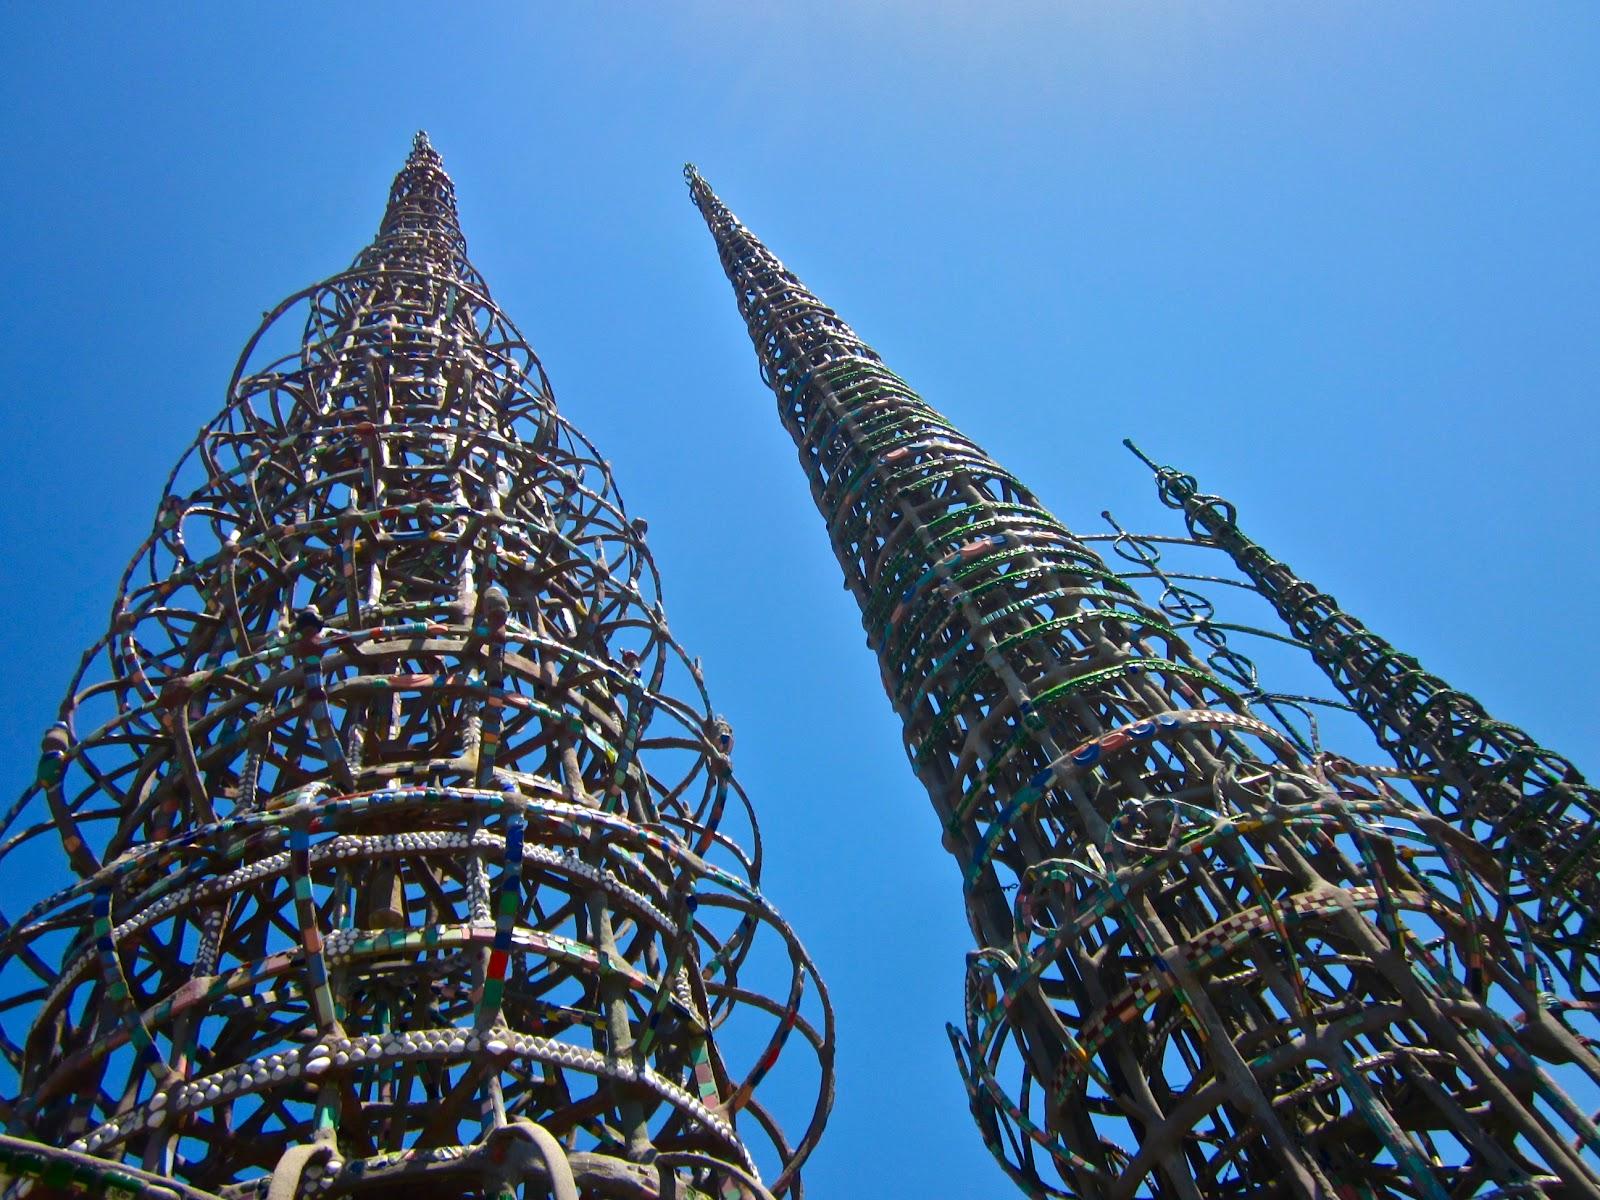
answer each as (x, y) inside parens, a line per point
(1527, 805)
(1208, 965)
(406, 843)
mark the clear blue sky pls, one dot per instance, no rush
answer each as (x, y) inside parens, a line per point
(1339, 261)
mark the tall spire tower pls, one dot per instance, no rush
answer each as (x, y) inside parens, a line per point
(1527, 805)
(401, 842)
(1206, 966)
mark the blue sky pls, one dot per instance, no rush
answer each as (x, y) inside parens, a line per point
(1339, 262)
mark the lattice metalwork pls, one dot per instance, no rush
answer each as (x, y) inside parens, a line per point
(1184, 593)
(1209, 964)
(407, 848)
(1527, 805)
(1197, 585)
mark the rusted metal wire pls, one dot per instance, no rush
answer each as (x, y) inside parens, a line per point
(408, 852)
(1209, 964)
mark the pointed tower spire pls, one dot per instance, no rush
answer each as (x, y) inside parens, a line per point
(407, 843)
(1529, 806)
(1196, 973)
(420, 227)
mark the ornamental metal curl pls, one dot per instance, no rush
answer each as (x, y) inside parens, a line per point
(1194, 614)
(408, 852)
(1206, 965)
(1525, 804)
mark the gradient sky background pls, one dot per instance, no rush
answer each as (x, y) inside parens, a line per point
(1338, 261)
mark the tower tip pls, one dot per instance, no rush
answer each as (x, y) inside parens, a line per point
(1141, 455)
(422, 197)
(700, 193)
(422, 151)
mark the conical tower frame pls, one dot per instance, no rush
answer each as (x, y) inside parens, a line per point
(405, 847)
(1205, 966)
